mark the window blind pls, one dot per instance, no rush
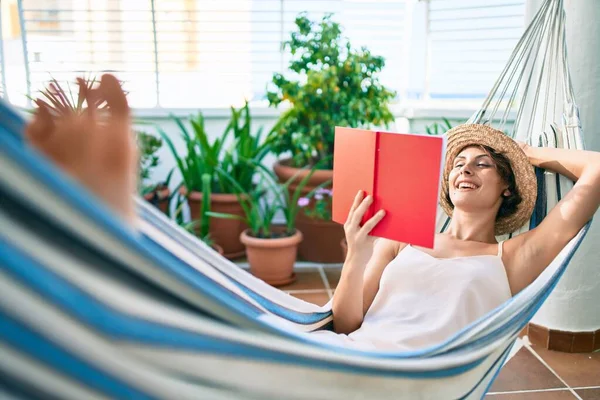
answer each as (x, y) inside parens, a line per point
(216, 53)
(192, 53)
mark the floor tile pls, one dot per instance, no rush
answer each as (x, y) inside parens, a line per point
(525, 372)
(306, 279)
(547, 395)
(589, 394)
(315, 298)
(576, 369)
(333, 276)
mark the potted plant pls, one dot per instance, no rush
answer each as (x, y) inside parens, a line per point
(199, 227)
(271, 250)
(157, 194)
(316, 221)
(335, 85)
(204, 157)
(332, 84)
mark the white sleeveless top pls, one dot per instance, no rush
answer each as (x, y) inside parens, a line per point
(423, 300)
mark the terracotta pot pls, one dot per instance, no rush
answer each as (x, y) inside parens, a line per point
(272, 260)
(224, 232)
(321, 240)
(344, 246)
(284, 172)
(159, 198)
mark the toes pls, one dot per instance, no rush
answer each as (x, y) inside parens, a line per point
(113, 94)
(41, 126)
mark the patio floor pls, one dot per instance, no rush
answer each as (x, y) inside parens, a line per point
(532, 374)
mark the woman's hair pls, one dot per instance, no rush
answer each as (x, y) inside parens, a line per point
(509, 203)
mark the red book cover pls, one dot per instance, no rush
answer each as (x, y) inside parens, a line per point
(402, 171)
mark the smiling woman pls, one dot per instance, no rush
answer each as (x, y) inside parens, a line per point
(476, 163)
(395, 296)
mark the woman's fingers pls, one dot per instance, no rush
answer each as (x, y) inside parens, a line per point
(361, 210)
(374, 220)
(357, 200)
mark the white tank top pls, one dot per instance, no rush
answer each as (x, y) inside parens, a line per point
(423, 300)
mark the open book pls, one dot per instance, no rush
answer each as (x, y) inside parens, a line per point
(401, 171)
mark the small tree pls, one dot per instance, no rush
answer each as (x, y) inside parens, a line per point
(334, 85)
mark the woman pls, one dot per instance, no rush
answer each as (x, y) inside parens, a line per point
(395, 296)
(390, 295)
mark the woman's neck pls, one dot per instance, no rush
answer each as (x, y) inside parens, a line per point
(477, 227)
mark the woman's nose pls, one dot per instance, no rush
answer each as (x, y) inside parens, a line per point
(465, 170)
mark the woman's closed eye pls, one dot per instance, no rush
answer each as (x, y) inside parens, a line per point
(482, 165)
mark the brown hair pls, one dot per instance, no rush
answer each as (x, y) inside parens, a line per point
(511, 202)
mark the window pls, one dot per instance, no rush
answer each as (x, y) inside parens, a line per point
(215, 53)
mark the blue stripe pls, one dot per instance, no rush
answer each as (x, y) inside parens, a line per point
(124, 327)
(11, 122)
(497, 372)
(30, 342)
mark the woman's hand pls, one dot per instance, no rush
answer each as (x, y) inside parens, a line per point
(360, 244)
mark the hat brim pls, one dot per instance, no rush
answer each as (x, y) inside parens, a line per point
(476, 134)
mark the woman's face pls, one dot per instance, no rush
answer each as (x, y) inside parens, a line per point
(474, 183)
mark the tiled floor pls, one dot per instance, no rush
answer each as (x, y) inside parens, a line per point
(532, 374)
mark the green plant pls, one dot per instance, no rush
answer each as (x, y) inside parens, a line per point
(335, 85)
(438, 128)
(148, 160)
(259, 210)
(201, 227)
(203, 157)
(246, 146)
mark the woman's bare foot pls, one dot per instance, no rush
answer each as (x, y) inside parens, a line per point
(97, 147)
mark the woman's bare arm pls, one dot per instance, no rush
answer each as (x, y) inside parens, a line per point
(348, 300)
(534, 251)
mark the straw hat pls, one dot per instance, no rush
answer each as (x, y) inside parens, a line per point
(475, 134)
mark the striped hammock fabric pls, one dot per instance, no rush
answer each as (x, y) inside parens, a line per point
(90, 308)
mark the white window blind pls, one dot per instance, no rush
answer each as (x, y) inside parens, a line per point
(192, 53)
(215, 53)
(470, 42)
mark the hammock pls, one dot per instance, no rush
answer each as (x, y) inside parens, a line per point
(92, 309)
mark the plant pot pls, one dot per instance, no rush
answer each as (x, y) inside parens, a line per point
(284, 171)
(321, 242)
(159, 198)
(272, 260)
(344, 246)
(224, 232)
